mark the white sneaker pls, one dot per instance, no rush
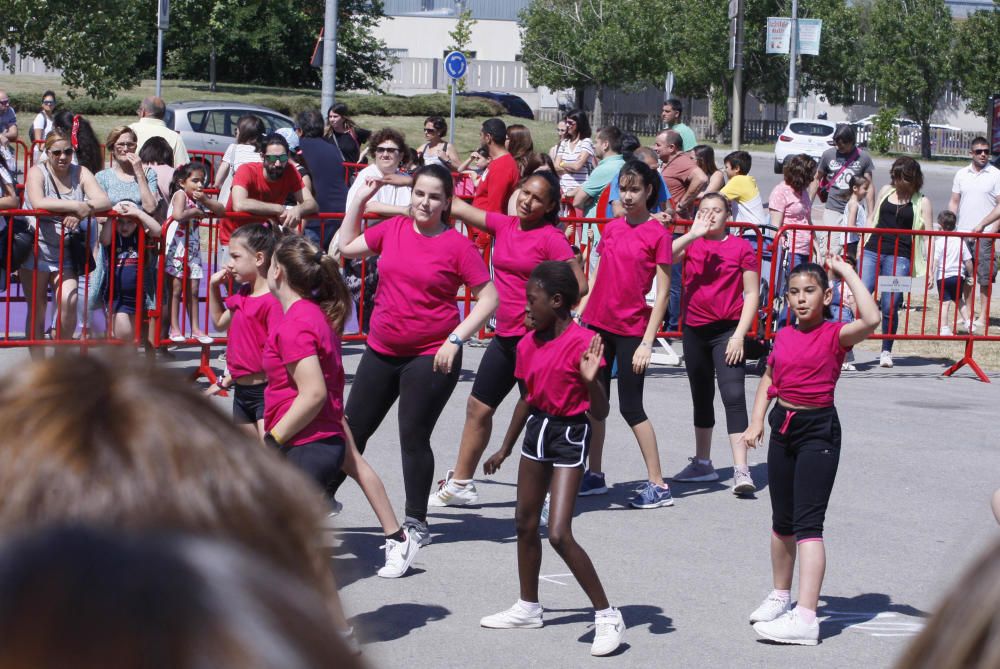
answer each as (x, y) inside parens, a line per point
(450, 493)
(789, 629)
(770, 609)
(398, 556)
(945, 331)
(966, 326)
(417, 530)
(885, 359)
(335, 508)
(516, 617)
(609, 633)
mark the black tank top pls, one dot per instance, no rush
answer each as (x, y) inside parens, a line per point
(893, 217)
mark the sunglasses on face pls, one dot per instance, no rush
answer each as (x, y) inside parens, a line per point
(5, 102)
(48, 103)
(980, 152)
(280, 158)
(386, 149)
(429, 130)
(58, 153)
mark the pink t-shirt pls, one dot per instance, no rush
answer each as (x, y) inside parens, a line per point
(415, 303)
(806, 365)
(304, 331)
(551, 371)
(713, 279)
(629, 256)
(516, 253)
(798, 211)
(252, 319)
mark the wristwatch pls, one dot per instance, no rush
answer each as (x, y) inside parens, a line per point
(455, 339)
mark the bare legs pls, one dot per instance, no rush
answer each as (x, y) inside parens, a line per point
(475, 438)
(703, 446)
(812, 567)
(646, 438)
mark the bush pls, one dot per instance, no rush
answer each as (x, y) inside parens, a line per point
(883, 130)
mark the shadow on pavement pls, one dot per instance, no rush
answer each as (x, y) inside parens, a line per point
(844, 612)
(394, 621)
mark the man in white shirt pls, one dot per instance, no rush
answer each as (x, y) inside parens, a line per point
(150, 124)
(974, 196)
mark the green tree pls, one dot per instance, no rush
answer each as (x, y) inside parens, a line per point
(93, 42)
(977, 61)
(599, 43)
(909, 57)
(461, 38)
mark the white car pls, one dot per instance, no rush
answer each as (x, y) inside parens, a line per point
(803, 135)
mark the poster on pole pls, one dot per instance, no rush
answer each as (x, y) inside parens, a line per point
(779, 35)
(994, 122)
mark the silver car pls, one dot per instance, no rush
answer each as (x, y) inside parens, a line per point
(211, 125)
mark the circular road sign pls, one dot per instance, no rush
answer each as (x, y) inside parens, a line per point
(455, 64)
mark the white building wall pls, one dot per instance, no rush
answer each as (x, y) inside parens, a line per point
(427, 37)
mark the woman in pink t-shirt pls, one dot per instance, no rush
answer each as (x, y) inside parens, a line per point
(633, 250)
(520, 243)
(558, 366)
(790, 204)
(721, 296)
(804, 450)
(414, 350)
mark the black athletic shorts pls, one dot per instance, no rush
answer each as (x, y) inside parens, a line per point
(495, 378)
(248, 403)
(561, 440)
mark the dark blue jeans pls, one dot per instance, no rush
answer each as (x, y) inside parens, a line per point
(873, 266)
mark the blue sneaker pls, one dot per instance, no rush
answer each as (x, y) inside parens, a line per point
(651, 496)
(592, 484)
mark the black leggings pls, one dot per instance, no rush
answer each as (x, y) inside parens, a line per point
(802, 461)
(423, 394)
(704, 359)
(320, 460)
(495, 377)
(630, 384)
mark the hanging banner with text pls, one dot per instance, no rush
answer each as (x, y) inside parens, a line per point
(779, 35)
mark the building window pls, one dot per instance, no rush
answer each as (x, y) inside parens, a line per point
(399, 53)
(471, 55)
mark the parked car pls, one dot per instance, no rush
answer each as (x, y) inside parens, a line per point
(515, 106)
(211, 125)
(803, 135)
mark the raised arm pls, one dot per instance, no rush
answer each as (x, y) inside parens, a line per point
(468, 214)
(699, 228)
(221, 316)
(869, 315)
(351, 242)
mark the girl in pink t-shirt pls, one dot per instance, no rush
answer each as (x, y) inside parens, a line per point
(633, 250)
(720, 299)
(804, 450)
(248, 315)
(519, 244)
(558, 365)
(414, 350)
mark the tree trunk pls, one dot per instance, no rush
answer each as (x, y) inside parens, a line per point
(597, 118)
(925, 139)
(578, 94)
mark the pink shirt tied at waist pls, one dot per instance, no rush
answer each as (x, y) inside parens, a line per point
(806, 365)
(419, 277)
(629, 256)
(551, 371)
(302, 332)
(516, 253)
(252, 319)
(713, 279)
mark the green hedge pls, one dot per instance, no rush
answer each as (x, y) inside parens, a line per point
(27, 103)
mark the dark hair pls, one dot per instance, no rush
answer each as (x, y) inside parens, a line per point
(554, 193)
(440, 125)
(156, 151)
(673, 138)
(647, 177)
(310, 122)
(129, 600)
(390, 134)
(907, 169)
(183, 172)
(443, 175)
(818, 274)
(341, 109)
(259, 238)
(48, 94)
(644, 151)
(522, 148)
(629, 145)
(704, 157)
(613, 136)
(315, 276)
(250, 129)
(845, 133)
(274, 139)
(741, 160)
(721, 198)
(856, 180)
(545, 161)
(579, 117)
(799, 171)
(675, 104)
(947, 219)
(979, 140)
(556, 277)
(496, 130)
(88, 148)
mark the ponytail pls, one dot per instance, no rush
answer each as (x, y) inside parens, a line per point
(315, 277)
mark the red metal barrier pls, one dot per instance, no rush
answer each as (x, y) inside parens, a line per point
(916, 289)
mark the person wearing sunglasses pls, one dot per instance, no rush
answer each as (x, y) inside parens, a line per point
(261, 189)
(43, 123)
(435, 150)
(975, 194)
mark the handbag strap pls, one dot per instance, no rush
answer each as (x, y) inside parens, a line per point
(854, 156)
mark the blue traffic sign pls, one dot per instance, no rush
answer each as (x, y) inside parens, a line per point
(455, 64)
